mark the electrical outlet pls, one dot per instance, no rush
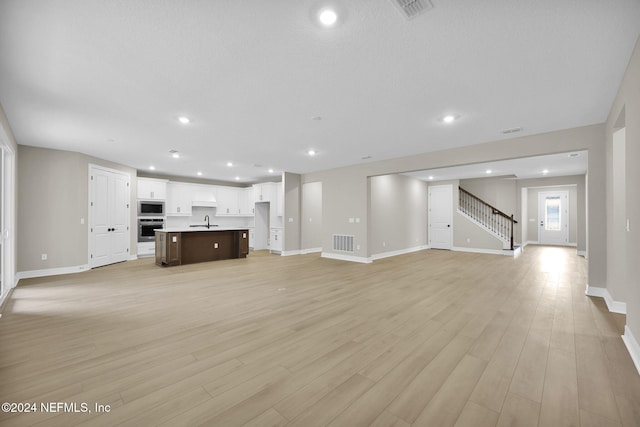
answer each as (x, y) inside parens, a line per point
(44, 257)
(384, 244)
(357, 220)
(468, 240)
(357, 247)
(81, 221)
(215, 246)
(351, 220)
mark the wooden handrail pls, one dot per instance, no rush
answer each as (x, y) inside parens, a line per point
(495, 210)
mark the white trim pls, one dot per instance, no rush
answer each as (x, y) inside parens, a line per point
(310, 251)
(51, 271)
(133, 257)
(632, 346)
(565, 194)
(289, 253)
(345, 257)
(612, 305)
(398, 252)
(581, 253)
(506, 252)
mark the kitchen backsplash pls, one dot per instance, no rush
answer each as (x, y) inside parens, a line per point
(197, 217)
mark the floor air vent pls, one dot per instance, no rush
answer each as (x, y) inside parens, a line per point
(412, 8)
(342, 243)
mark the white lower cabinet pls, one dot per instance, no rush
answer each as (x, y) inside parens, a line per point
(275, 240)
(252, 237)
(146, 249)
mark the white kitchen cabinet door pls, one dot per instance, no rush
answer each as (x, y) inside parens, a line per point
(265, 192)
(245, 202)
(252, 237)
(275, 240)
(109, 216)
(279, 199)
(180, 198)
(205, 194)
(152, 189)
(227, 202)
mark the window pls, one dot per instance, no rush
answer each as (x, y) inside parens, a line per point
(552, 214)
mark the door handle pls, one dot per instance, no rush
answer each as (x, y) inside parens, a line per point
(541, 223)
(448, 225)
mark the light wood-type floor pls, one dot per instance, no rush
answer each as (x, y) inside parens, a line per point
(433, 338)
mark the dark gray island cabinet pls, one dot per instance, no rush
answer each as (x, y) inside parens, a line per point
(188, 246)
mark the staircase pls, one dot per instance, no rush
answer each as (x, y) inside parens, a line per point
(490, 217)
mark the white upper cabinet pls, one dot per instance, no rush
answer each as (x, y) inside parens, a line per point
(245, 202)
(180, 198)
(279, 199)
(228, 201)
(152, 189)
(265, 192)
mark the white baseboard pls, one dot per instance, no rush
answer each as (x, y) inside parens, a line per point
(289, 253)
(613, 306)
(133, 257)
(485, 251)
(345, 257)
(582, 253)
(51, 272)
(632, 346)
(310, 251)
(398, 252)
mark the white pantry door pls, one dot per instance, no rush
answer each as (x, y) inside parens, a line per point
(553, 218)
(440, 216)
(109, 228)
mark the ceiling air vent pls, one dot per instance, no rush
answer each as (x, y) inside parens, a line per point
(412, 8)
(512, 130)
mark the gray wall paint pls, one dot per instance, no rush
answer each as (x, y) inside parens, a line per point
(53, 188)
(498, 192)
(311, 220)
(292, 189)
(626, 113)
(617, 218)
(345, 189)
(398, 213)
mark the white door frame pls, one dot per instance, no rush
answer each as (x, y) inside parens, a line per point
(449, 188)
(90, 215)
(564, 216)
(7, 228)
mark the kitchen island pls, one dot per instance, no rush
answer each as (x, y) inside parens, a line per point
(188, 245)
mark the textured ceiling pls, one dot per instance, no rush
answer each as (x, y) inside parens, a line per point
(109, 78)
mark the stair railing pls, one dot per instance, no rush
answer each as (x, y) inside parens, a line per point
(491, 217)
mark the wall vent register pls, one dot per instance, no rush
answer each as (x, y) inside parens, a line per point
(343, 243)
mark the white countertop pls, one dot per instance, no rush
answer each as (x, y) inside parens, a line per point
(191, 229)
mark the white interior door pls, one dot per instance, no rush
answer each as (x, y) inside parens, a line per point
(109, 216)
(440, 216)
(553, 218)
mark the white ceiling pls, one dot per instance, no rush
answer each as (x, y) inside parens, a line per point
(110, 78)
(562, 164)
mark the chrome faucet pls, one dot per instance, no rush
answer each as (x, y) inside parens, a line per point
(206, 218)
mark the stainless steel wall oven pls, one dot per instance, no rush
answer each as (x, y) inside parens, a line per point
(147, 227)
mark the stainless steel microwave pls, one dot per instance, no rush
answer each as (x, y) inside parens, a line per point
(150, 208)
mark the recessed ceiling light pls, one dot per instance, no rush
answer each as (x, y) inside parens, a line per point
(311, 152)
(574, 154)
(152, 168)
(175, 155)
(237, 178)
(316, 118)
(328, 17)
(365, 157)
(546, 171)
(184, 120)
(430, 176)
(229, 164)
(270, 170)
(448, 119)
(199, 173)
(488, 171)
